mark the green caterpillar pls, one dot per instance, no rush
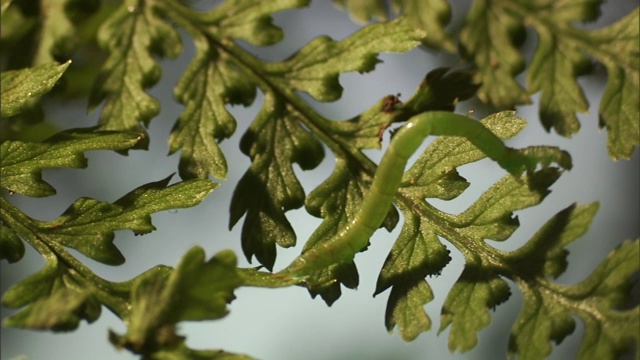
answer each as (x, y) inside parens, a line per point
(376, 204)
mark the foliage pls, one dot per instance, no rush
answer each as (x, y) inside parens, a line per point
(287, 130)
(494, 29)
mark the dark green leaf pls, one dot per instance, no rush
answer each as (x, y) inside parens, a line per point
(210, 82)
(405, 308)
(34, 287)
(269, 188)
(11, 247)
(467, 306)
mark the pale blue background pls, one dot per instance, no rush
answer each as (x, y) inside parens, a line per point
(287, 323)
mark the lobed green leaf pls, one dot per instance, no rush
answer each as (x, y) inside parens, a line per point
(418, 252)
(61, 311)
(553, 71)
(132, 33)
(88, 225)
(467, 306)
(53, 300)
(405, 309)
(336, 200)
(22, 162)
(315, 68)
(609, 330)
(249, 20)
(34, 287)
(209, 83)
(432, 16)
(545, 254)
(269, 188)
(489, 38)
(341, 194)
(364, 11)
(619, 104)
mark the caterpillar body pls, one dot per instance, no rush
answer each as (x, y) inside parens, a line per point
(377, 202)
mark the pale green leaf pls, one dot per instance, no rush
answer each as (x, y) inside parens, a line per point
(21, 88)
(88, 225)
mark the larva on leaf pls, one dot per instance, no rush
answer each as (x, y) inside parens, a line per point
(376, 203)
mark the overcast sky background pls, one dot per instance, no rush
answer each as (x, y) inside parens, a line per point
(287, 323)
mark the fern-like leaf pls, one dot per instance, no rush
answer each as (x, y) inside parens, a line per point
(270, 187)
(132, 33)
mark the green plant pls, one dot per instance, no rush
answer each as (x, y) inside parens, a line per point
(288, 130)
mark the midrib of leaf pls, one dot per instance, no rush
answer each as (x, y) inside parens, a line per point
(253, 68)
(105, 290)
